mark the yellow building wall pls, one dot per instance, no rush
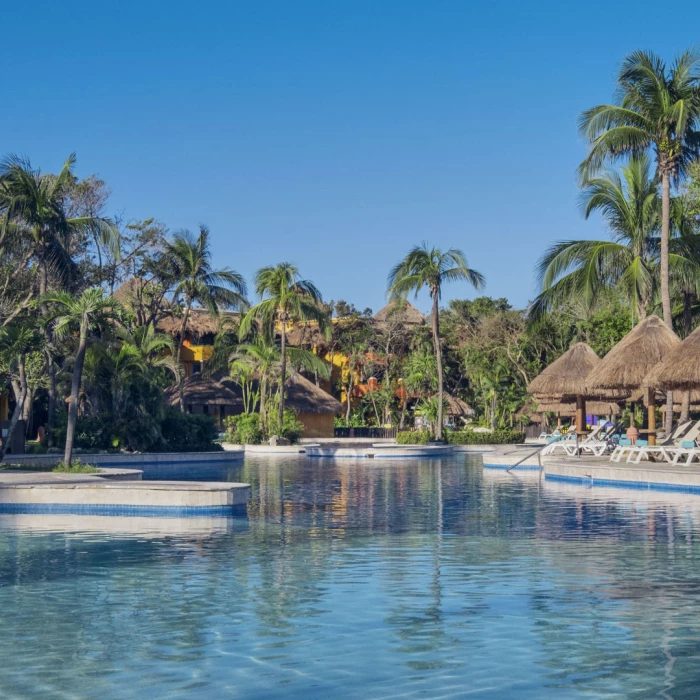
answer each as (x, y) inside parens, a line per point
(317, 425)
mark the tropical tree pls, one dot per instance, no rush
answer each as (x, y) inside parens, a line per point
(187, 265)
(430, 268)
(657, 110)
(85, 312)
(35, 217)
(17, 342)
(629, 204)
(286, 298)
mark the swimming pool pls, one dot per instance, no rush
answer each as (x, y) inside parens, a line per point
(360, 579)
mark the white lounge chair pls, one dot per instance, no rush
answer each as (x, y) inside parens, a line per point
(560, 439)
(571, 445)
(628, 449)
(686, 447)
(596, 443)
(667, 448)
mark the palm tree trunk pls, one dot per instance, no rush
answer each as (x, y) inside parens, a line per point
(403, 413)
(435, 323)
(283, 374)
(50, 368)
(263, 405)
(685, 406)
(181, 378)
(19, 403)
(665, 226)
(75, 392)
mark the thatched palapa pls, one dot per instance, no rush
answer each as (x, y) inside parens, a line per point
(305, 397)
(593, 408)
(680, 368)
(566, 377)
(205, 391)
(455, 406)
(400, 311)
(627, 365)
(199, 323)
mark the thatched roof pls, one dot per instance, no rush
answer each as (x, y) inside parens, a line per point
(630, 361)
(680, 368)
(199, 323)
(306, 334)
(401, 311)
(593, 408)
(566, 377)
(305, 397)
(202, 391)
(455, 405)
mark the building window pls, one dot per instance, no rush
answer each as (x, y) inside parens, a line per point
(205, 410)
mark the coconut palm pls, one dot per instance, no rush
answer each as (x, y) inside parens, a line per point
(35, 219)
(286, 298)
(630, 205)
(187, 264)
(85, 313)
(430, 268)
(657, 110)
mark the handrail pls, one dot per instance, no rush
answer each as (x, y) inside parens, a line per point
(537, 452)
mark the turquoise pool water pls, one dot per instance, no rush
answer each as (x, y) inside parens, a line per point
(359, 579)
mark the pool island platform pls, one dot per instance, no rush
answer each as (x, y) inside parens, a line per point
(88, 494)
(593, 471)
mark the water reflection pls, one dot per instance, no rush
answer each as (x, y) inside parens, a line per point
(358, 579)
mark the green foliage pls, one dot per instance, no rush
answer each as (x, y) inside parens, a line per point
(497, 437)
(291, 427)
(189, 432)
(75, 467)
(244, 429)
(414, 437)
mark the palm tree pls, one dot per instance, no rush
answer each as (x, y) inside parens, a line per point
(629, 203)
(17, 341)
(431, 268)
(286, 298)
(35, 217)
(85, 312)
(657, 110)
(187, 264)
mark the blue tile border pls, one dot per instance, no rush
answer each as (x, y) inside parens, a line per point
(617, 483)
(110, 509)
(519, 468)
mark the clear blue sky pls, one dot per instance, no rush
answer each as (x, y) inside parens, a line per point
(333, 134)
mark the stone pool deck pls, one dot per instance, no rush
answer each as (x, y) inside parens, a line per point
(596, 471)
(50, 492)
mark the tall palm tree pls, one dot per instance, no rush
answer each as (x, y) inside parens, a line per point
(430, 268)
(630, 205)
(35, 216)
(85, 313)
(657, 110)
(286, 298)
(187, 264)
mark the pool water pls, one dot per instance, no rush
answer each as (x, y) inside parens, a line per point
(360, 579)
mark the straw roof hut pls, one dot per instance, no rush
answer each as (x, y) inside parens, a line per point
(627, 365)
(593, 408)
(199, 323)
(204, 391)
(567, 376)
(455, 406)
(315, 408)
(680, 368)
(402, 311)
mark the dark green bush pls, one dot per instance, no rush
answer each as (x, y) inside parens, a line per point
(244, 429)
(91, 432)
(189, 432)
(497, 437)
(414, 437)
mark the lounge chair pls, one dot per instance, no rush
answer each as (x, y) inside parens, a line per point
(596, 443)
(687, 448)
(667, 448)
(571, 445)
(557, 438)
(625, 446)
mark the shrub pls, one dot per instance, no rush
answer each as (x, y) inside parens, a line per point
(76, 467)
(415, 437)
(497, 437)
(244, 429)
(189, 432)
(292, 429)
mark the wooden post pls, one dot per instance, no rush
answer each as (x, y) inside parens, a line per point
(651, 402)
(580, 415)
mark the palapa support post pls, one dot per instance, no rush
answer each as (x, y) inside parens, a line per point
(580, 420)
(651, 403)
